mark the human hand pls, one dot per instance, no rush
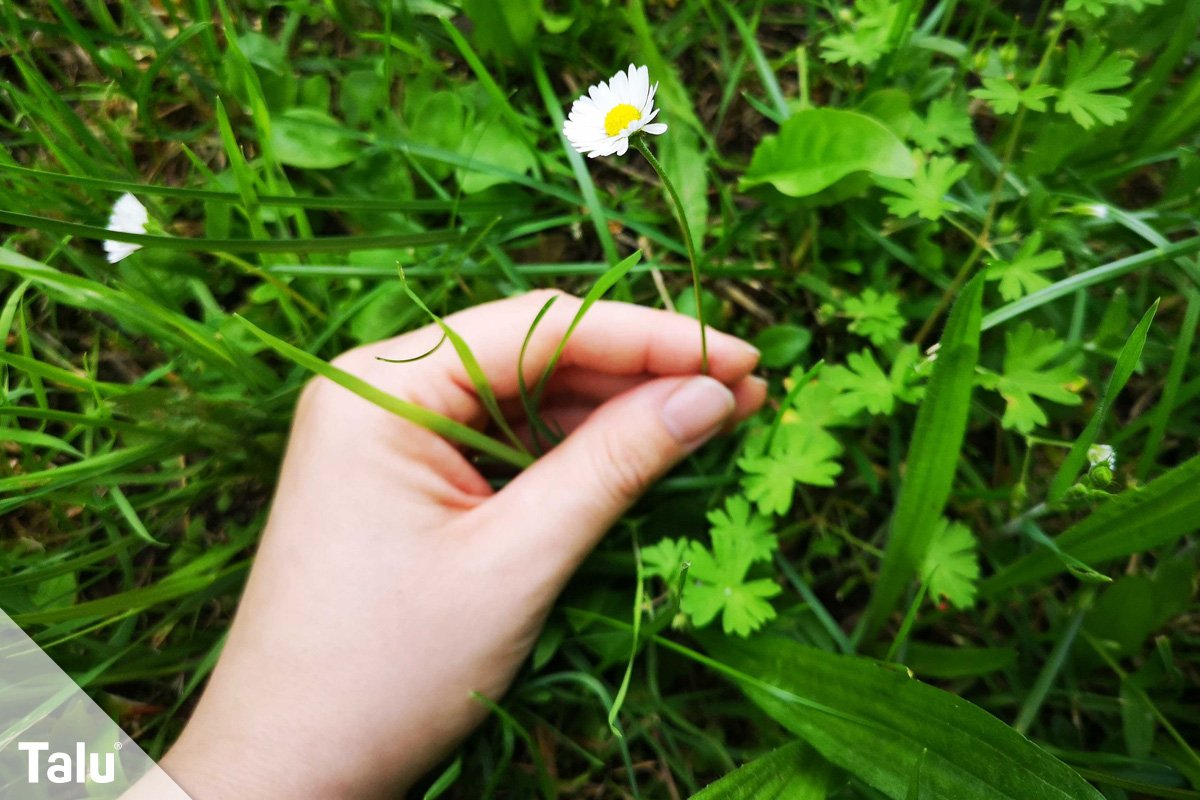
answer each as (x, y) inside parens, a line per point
(392, 581)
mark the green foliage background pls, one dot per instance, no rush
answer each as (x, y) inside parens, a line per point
(962, 233)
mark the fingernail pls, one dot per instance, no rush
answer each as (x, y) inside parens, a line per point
(697, 408)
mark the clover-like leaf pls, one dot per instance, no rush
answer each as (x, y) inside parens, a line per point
(1025, 375)
(1005, 97)
(951, 566)
(664, 559)
(925, 194)
(1022, 275)
(738, 522)
(946, 125)
(862, 385)
(1089, 72)
(799, 454)
(875, 315)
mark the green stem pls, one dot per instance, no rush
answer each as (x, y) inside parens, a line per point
(983, 240)
(639, 142)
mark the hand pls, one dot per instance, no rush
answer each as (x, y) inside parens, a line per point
(392, 581)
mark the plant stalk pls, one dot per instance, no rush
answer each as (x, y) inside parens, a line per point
(639, 142)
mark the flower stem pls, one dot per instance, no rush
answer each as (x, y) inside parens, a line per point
(639, 142)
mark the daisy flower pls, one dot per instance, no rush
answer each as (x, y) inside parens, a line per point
(128, 216)
(601, 122)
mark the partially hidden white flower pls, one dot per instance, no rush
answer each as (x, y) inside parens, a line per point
(1099, 454)
(128, 216)
(601, 122)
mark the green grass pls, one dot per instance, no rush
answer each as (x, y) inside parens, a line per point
(939, 513)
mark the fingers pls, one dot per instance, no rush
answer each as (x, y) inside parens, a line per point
(613, 338)
(565, 410)
(562, 505)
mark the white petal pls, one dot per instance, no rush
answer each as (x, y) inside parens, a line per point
(128, 215)
(656, 128)
(639, 80)
(649, 104)
(622, 146)
(118, 250)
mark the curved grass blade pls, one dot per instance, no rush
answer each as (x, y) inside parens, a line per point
(422, 356)
(598, 290)
(418, 415)
(483, 389)
(537, 425)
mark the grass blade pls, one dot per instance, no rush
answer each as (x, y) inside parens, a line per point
(418, 415)
(1132, 522)
(932, 457)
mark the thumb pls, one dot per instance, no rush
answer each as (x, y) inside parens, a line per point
(564, 502)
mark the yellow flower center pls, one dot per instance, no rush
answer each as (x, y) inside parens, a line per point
(620, 116)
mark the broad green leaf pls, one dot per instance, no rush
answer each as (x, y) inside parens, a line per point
(792, 772)
(1134, 521)
(817, 147)
(504, 27)
(1127, 362)
(782, 345)
(311, 139)
(933, 455)
(493, 142)
(945, 661)
(879, 725)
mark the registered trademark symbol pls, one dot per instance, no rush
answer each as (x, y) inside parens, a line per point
(118, 746)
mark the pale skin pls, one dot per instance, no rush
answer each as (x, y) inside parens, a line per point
(393, 581)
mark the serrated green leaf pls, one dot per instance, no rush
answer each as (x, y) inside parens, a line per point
(1022, 275)
(800, 454)
(862, 385)
(1025, 375)
(1006, 97)
(925, 194)
(875, 316)
(1089, 72)
(951, 566)
(946, 125)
